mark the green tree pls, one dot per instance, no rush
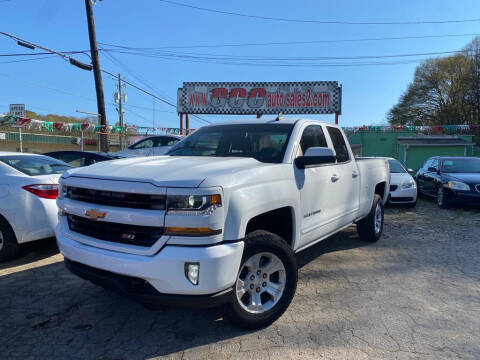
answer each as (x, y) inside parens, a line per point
(444, 91)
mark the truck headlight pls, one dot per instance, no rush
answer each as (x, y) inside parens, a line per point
(408, 184)
(193, 204)
(62, 191)
(458, 185)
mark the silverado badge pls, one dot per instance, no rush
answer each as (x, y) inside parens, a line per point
(94, 214)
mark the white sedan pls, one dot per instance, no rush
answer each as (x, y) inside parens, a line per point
(150, 146)
(403, 188)
(28, 189)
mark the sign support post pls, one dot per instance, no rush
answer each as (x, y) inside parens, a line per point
(20, 137)
(181, 123)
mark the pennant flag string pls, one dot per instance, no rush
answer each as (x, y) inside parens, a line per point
(49, 126)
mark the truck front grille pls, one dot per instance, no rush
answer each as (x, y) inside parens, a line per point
(114, 198)
(115, 232)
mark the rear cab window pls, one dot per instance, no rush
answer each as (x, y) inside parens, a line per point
(339, 145)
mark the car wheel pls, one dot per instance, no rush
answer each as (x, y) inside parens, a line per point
(370, 228)
(8, 242)
(442, 198)
(266, 281)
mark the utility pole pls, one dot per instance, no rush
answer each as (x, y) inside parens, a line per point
(120, 110)
(97, 73)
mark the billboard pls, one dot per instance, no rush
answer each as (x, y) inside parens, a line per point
(246, 98)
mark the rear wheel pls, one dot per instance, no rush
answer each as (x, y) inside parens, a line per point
(8, 242)
(370, 228)
(266, 282)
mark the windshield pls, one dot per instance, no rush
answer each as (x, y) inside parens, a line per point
(263, 142)
(396, 167)
(467, 165)
(35, 164)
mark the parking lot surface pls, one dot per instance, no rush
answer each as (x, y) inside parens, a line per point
(414, 294)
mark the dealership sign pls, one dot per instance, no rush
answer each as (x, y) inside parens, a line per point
(244, 98)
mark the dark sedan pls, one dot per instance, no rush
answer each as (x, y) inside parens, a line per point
(451, 180)
(79, 158)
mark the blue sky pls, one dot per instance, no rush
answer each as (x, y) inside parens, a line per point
(52, 85)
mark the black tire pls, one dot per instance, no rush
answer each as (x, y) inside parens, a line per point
(443, 201)
(259, 242)
(366, 227)
(8, 242)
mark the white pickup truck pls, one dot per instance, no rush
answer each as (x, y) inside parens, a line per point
(218, 220)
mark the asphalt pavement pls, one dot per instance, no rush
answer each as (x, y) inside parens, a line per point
(413, 295)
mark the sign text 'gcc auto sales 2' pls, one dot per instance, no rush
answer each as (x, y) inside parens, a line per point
(243, 98)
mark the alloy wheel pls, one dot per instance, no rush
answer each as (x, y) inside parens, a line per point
(260, 283)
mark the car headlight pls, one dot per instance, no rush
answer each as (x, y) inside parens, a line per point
(408, 184)
(193, 204)
(458, 185)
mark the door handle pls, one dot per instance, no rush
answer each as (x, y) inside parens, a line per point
(355, 174)
(335, 178)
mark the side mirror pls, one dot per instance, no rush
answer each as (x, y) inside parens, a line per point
(315, 156)
(432, 169)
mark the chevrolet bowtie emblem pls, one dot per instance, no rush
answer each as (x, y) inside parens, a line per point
(94, 214)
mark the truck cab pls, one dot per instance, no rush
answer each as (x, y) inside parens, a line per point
(219, 218)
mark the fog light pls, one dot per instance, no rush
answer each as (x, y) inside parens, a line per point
(192, 272)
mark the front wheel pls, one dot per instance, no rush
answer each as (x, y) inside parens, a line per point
(443, 201)
(370, 228)
(266, 281)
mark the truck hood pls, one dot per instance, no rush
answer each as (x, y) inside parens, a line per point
(169, 171)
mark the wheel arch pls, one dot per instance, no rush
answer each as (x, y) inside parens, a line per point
(277, 221)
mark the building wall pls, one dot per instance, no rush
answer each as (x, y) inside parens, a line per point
(377, 143)
(417, 155)
(384, 144)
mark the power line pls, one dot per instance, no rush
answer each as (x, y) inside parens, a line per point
(43, 53)
(285, 58)
(31, 45)
(132, 73)
(47, 87)
(149, 108)
(16, 61)
(120, 64)
(153, 95)
(293, 42)
(337, 22)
